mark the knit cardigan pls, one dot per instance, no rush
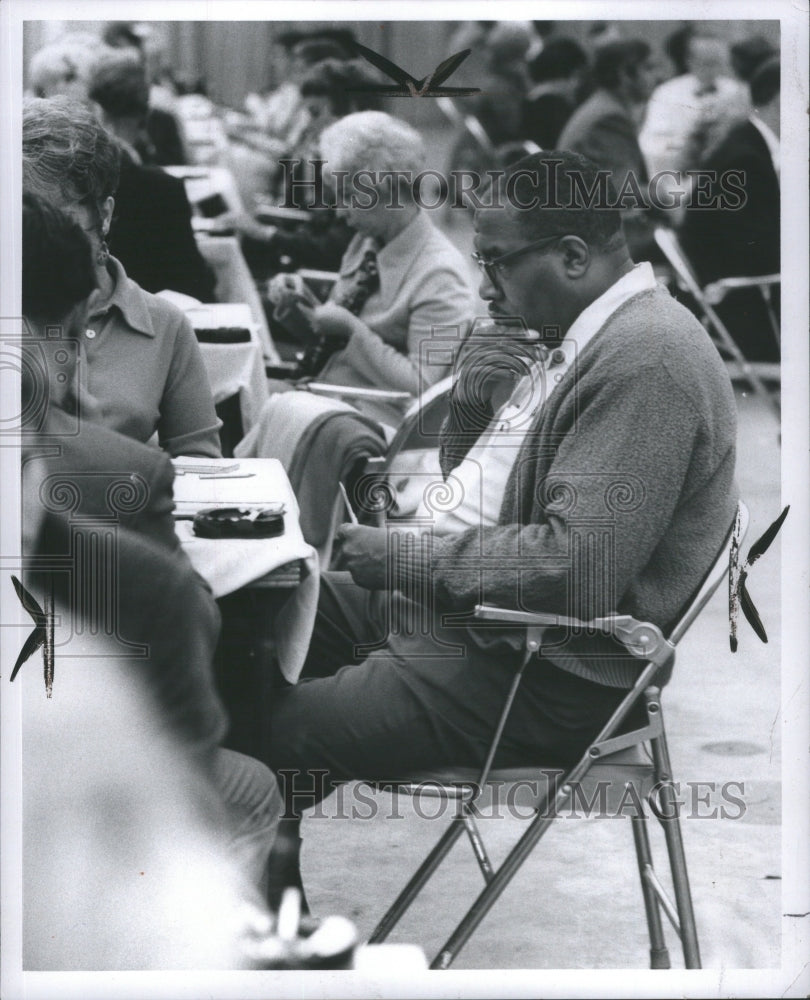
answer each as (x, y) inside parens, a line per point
(619, 500)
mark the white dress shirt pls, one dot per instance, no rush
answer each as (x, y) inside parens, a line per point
(474, 490)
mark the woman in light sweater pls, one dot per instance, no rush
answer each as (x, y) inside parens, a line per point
(422, 285)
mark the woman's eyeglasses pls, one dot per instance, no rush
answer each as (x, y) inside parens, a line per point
(493, 266)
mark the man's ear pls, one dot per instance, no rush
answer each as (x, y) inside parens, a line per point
(576, 256)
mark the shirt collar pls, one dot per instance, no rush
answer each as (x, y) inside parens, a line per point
(591, 320)
(128, 298)
(393, 259)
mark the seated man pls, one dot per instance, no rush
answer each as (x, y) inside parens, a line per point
(97, 525)
(604, 482)
(723, 243)
(604, 128)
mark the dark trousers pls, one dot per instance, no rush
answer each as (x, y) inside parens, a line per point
(388, 691)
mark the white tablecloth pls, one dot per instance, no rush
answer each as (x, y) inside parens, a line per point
(235, 283)
(228, 564)
(233, 368)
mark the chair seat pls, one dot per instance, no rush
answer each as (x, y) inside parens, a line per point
(602, 789)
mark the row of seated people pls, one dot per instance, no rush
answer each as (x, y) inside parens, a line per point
(151, 231)
(618, 377)
(612, 108)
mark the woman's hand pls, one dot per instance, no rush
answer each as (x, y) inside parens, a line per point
(285, 289)
(333, 321)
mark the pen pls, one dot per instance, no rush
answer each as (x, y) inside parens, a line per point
(227, 475)
(352, 515)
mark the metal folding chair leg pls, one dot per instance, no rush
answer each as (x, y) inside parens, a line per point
(477, 842)
(668, 805)
(499, 881)
(659, 953)
(419, 879)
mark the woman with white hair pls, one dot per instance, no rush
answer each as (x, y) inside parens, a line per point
(400, 278)
(63, 67)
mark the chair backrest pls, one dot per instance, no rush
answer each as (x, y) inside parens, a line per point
(423, 418)
(671, 248)
(715, 576)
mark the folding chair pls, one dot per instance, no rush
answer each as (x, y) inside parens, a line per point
(614, 756)
(708, 297)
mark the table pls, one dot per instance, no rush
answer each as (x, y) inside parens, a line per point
(235, 284)
(286, 564)
(233, 369)
(203, 181)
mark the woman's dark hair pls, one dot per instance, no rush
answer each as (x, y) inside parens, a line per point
(616, 58)
(57, 261)
(559, 59)
(337, 80)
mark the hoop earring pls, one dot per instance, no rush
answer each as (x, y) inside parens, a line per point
(103, 254)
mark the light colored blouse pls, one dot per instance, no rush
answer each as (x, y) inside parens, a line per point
(426, 294)
(139, 360)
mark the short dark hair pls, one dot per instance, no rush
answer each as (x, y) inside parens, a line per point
(559, 59)
(571, 213)
(122, 35)
(314, 50)
(748, 55)
(57, 261)
(615, 58)
(676, 47)
(119, 86)
(766, 82)
(342, 81)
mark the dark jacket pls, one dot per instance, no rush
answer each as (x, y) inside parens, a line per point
(724, 241)
(151, 233)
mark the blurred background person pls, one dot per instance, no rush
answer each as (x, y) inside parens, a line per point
(151, 232)
(64, 66)
(329, 92)
(161, 141)
(141, 361)
(557, 73)
(683, 111)
(605, 127)
(283, 114)
(722, 243)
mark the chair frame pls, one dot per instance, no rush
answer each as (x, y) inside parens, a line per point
(711, 295)
(646, 642)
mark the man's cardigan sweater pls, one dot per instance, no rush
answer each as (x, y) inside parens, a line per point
(619, 500)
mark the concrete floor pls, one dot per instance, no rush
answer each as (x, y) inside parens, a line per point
(576, 903)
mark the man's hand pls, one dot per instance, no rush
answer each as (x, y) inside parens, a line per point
(364, 552)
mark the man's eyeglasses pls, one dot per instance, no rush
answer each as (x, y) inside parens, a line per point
(493, 266)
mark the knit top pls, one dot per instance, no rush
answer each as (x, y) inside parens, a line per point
(619, 500)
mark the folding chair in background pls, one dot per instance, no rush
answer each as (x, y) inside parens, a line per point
(710, 296)
(616, 758)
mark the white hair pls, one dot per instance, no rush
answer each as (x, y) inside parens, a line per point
(70, 60)
(372, 140)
